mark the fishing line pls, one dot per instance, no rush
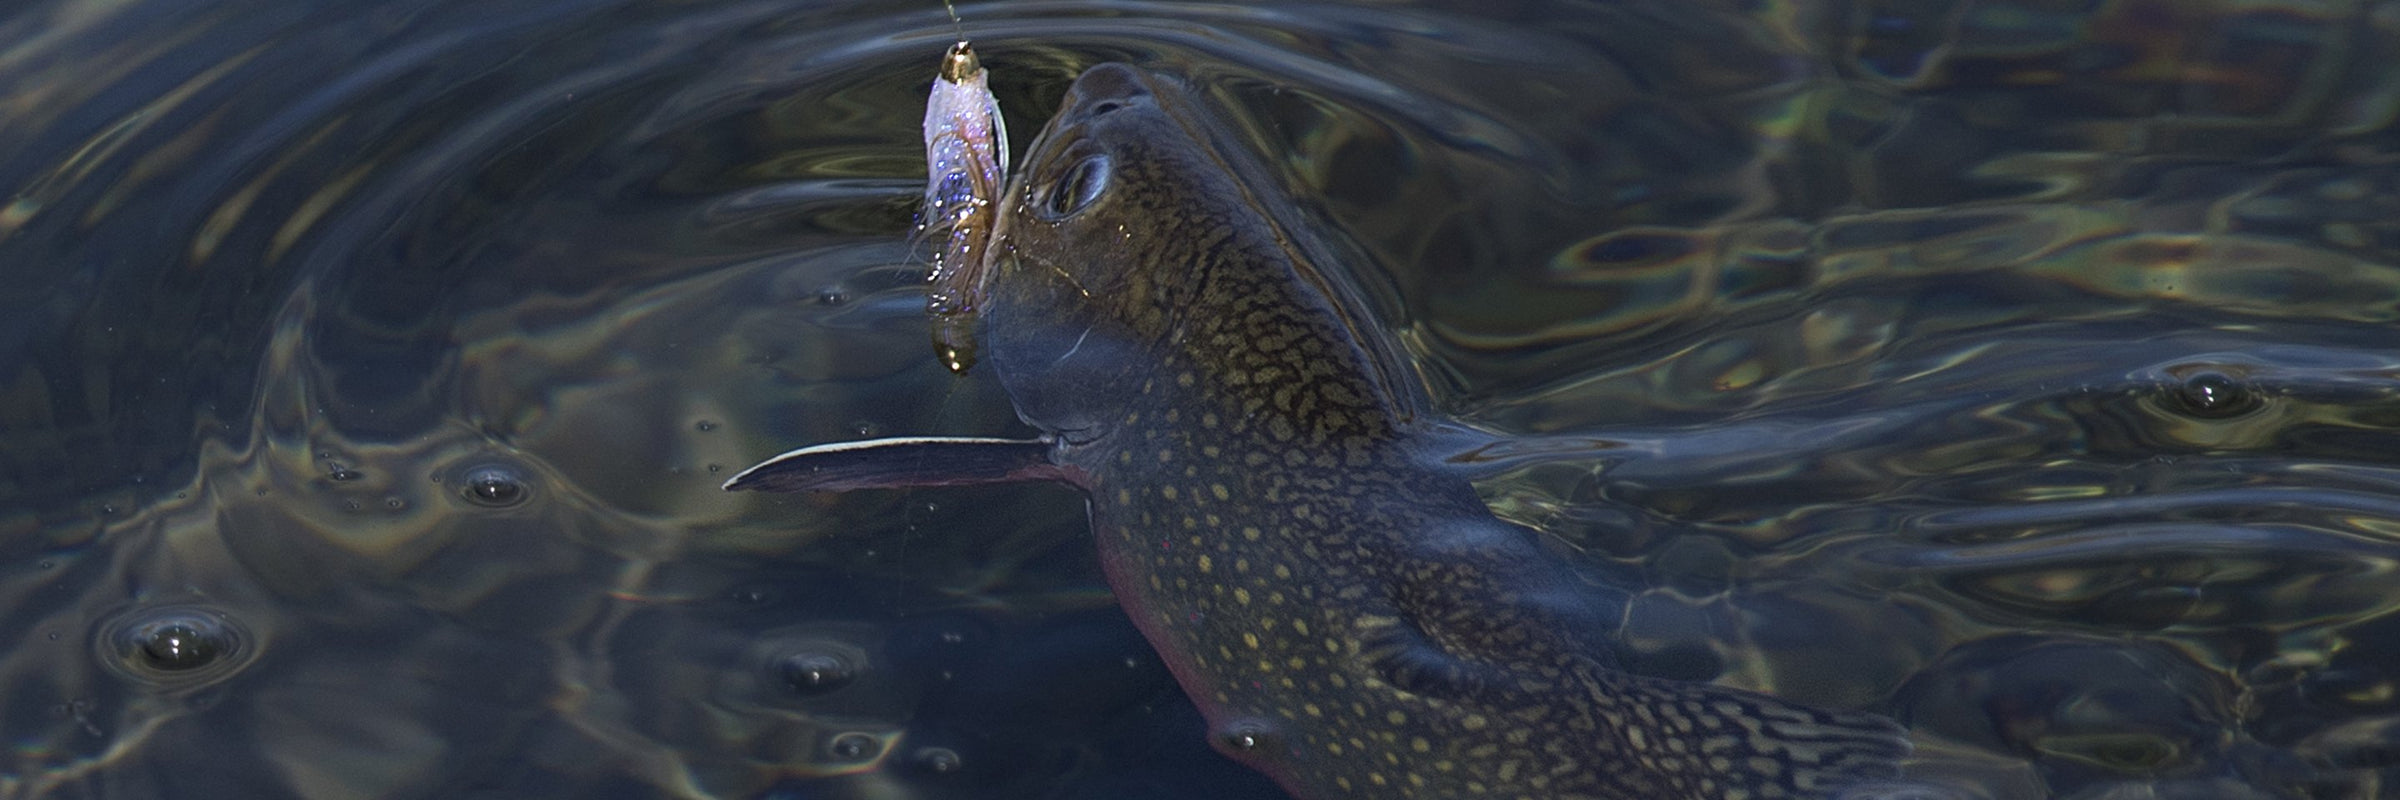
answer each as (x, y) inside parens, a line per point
(954, 23)
(947, 410)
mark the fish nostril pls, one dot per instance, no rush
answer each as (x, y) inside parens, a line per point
(1108, 87)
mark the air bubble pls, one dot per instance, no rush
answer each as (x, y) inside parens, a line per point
(342, 474)
(853, 747)
(1246, 736)
(178, 647)
(2210, 394)
(938, 760)
(812, 673)
(704, 426)
(173, 646)
(494, 486)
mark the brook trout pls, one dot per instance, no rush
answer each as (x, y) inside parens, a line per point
(1265, 492)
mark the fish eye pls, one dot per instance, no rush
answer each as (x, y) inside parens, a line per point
(1082, 184)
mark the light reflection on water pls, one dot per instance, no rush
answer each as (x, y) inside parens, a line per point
(371, 368)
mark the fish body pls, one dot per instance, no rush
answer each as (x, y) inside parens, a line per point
(1349, 616)
(966, 164)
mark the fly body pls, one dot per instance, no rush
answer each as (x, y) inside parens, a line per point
(966, 162)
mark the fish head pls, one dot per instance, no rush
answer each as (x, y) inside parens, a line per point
(1106, 244)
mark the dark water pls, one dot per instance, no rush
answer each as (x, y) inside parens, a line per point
(2025, 372)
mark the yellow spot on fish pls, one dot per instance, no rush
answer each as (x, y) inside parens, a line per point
(1167, 491)
(1252, 534)
(1280, 428)
(1475, 722)
(1250, 640)
(1220, 491)
(1205, 563)
(1396, 718)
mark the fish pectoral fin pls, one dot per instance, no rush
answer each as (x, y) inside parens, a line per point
(1400, 652)
(903, 463)
(1476, 606)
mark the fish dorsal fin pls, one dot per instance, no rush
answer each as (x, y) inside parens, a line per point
(904, 463)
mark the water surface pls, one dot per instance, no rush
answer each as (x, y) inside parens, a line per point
(2024, 372)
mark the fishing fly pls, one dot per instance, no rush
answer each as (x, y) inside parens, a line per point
(966, 163)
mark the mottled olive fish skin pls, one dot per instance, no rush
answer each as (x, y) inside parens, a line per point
(1351, 621)
(1266, 501)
